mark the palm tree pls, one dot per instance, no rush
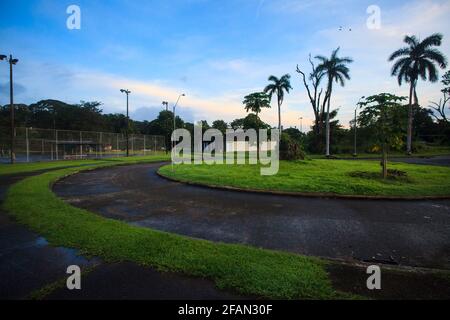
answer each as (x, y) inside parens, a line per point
(336, 70)
(416, 60)
(278, 87)
(256, 101)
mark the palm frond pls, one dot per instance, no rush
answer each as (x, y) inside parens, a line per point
(400, 63)
(404, 74)
(273, 78)
(436, 56)
(399, 53)
(322, 59)
(433, 40)
(339, 79)
(411, 41)
(429, 67)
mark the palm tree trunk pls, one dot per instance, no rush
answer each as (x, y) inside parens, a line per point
(384, 162)
(279, 115)
(327, 133)
(410, 120)
(257, 140)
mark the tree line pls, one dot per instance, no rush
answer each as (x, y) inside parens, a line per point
(418, 60)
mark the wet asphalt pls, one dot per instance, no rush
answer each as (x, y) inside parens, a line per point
(411, 233)
(27, 261)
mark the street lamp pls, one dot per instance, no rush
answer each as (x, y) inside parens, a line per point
(166, 104)
(11, 62)
(127, 92)
(354, 125)
(174, 125)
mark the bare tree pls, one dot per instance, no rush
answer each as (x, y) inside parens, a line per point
(314, 94)
(440, 108)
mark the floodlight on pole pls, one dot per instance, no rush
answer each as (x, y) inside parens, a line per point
(174, 124)
(354, 125)
(127, 92)
(11, 62)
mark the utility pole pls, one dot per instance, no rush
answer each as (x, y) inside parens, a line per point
(127, 92)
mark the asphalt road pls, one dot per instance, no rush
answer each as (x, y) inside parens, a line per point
(413, 233)
(28, 263)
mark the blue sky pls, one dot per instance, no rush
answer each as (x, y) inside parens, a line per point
(214, 51)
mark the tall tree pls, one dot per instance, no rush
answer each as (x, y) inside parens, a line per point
(336, 70)
(384, 112)
(314, 94)
(256, 101)
(439, 108)
(416, 60)
(278, 87)
(220, 125)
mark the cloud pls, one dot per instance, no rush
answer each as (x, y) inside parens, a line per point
(150, 113)
(216, 74)
(371, 72)
(18, 89)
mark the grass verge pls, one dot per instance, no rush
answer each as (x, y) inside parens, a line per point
(430, 151)
(321, 176)
(249, 270)
(17, 168)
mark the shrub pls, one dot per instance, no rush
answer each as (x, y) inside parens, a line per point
(290, 149)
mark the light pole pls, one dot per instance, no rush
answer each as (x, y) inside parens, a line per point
(11, 62)
(354, 126)
(166, 104)
(127, 92)
(174, 124)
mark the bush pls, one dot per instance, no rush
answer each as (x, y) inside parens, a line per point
(290, 149)
(393, 174)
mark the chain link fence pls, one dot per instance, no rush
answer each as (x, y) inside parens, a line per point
(32, 144)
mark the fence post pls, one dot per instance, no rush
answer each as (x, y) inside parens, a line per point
(101, 144)
(56, 144)
(27, 144)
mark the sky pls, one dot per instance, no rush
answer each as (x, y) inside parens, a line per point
(214, 51)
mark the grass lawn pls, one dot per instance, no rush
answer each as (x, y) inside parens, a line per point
(321, 176)
(8, 169)
(249, 270)
(431, 151)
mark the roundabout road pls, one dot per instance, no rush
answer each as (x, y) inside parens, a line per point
(413, 233)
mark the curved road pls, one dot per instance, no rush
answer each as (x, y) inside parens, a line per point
(414, 233)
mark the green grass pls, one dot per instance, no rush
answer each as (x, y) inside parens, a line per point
(321, 176)
(430, 151)
(8, 169)
(249, 270)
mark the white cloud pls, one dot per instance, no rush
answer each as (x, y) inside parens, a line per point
(216, 86)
